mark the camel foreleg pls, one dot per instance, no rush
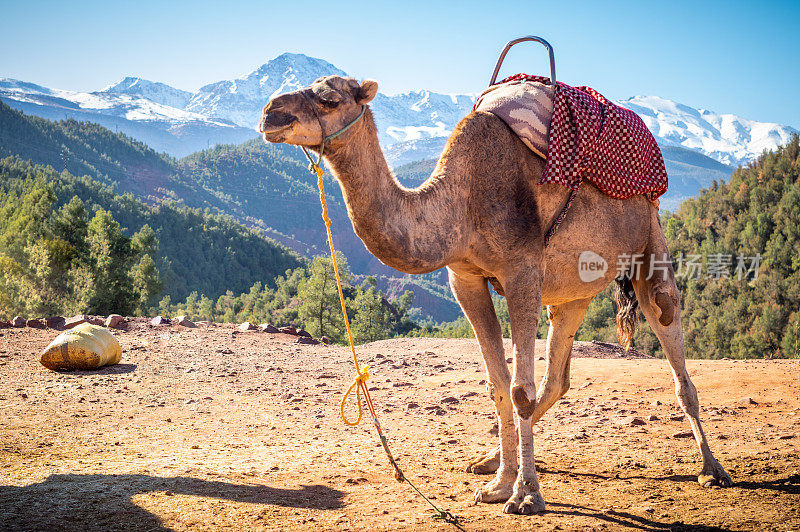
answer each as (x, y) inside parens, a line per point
(473, 295)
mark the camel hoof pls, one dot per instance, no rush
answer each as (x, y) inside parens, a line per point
(532, 503)
(485, 464)
(715, 477)
(718, 479)
(497, 490)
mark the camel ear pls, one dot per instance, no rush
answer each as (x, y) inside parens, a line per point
(366, 92)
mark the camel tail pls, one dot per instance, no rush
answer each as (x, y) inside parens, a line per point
(627, 311)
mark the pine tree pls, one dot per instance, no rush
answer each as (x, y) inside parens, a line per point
(371, 318)
(320, 308)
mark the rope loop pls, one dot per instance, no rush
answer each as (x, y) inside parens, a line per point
(359, 382)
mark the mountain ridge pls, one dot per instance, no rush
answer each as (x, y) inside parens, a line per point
(230, 108)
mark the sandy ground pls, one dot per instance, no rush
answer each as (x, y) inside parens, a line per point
(208, 429)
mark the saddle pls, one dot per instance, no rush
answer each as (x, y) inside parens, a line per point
(580, 134)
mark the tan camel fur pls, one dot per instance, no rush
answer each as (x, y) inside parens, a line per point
(482, 215)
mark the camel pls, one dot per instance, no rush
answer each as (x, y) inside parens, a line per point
(483, 216)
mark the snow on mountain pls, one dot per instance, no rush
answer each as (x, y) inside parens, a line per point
(725, 137)
(411, 125)
(241, 100)
(163, 127)
(418, 115)
(150, 90)
(119, 104)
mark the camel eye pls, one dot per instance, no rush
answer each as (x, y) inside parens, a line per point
(329, 98)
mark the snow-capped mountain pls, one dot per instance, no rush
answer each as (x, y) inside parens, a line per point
(417, 115)
(150, 90)
(411, 125)
(725, 137)
(163, 127)
(241, 100)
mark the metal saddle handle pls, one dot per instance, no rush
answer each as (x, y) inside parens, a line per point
(517, 41)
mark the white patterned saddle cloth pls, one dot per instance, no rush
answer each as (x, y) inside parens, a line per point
(527, 108)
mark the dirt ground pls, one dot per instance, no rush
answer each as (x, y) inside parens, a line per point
(210, 429)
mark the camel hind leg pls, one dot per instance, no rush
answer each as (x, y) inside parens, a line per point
(660, 303)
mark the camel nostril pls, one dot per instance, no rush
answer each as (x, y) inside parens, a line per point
(272, 121)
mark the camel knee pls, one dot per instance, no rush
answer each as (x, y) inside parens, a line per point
(522, 403)
(667, 306)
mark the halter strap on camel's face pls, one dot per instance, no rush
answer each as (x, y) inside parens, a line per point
(305, 117)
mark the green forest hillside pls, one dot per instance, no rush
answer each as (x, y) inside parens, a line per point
(194, 250)
(752, 221)
(84, 148)
(265, 187)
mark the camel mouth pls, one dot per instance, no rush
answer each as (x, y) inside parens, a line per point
(276, 122)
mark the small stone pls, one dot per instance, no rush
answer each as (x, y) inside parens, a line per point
(585, 385)
(676, 417)
(786, 436)
(494, 429)
(55, 322)
(74, 321)
(288, 330)
(36, 324)
(412, 405)
(652, 417)
(160, 320)
(307, 340)
(325, 340)
(683, 434)
(449, 401)
(19, 322)
(183, 321)
(656, 403)
(268, 328)
(5, 324)
(746, 401)
(114, 320)
(630, 421)
(303, 332)
(195, 446)
(246, 326)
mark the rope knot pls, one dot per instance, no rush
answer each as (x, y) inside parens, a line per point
(359, 383)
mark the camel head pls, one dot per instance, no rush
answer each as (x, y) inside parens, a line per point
(306, 116)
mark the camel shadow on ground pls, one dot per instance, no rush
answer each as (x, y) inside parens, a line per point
(104, 502)
(619, 520)
(115, 369)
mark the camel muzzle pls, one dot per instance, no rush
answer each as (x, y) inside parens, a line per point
(275, 121)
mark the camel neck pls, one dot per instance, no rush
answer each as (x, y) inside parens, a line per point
(402, 227)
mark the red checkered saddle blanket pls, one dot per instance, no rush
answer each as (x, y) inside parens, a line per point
(589, 137)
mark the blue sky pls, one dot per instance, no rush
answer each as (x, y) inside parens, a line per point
(734, 57)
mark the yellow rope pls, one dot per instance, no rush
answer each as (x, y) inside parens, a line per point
(363, 375)
(360, 382)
